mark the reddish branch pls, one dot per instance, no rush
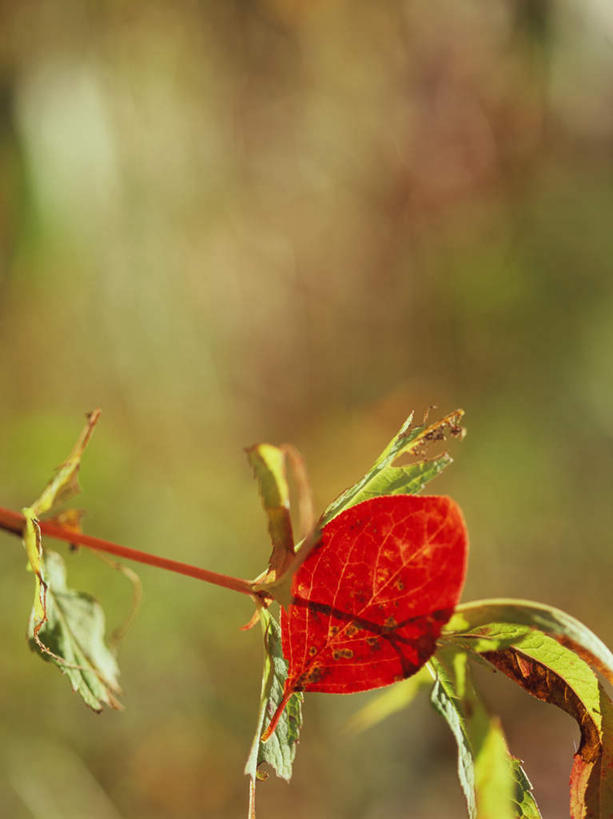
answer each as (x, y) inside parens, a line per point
(14, 522)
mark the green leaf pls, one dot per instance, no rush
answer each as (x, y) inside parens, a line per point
(498, 773)
(72, 637)
(494, 773)
(494, 784)
(555, 674)
(278, 752)
(469, 617)
(385, 479)
(447, 702)
(390, 701)
(526, 807)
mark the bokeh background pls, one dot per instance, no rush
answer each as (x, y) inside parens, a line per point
(296, 220)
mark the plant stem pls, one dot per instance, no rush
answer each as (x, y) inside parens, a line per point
(13, 522)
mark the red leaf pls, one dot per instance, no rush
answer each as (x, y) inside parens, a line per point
(370, 600)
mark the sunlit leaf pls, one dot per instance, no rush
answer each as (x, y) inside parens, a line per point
(370, 600)
(469, 617)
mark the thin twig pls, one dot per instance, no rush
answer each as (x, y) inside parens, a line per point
(14, 522)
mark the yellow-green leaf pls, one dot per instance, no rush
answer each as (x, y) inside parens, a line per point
(390, 701)
(383, 478)
(493, 782)
(567, 630)
(556, 674)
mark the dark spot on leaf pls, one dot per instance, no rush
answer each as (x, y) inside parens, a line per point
(441, 615)
(314, 675)
(263, 771)
(401, 630)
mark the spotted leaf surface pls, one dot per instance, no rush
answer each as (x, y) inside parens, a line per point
(370, 600)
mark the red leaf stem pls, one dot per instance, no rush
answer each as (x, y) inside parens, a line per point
(13, 522)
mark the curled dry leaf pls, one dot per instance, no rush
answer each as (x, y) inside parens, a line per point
(64, 483)
(564, 680)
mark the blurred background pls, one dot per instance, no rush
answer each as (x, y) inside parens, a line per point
(296, 220)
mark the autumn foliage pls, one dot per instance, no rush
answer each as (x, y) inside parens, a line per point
(368, 597)
(369, 602)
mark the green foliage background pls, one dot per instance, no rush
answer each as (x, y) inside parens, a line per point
(289, 220)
